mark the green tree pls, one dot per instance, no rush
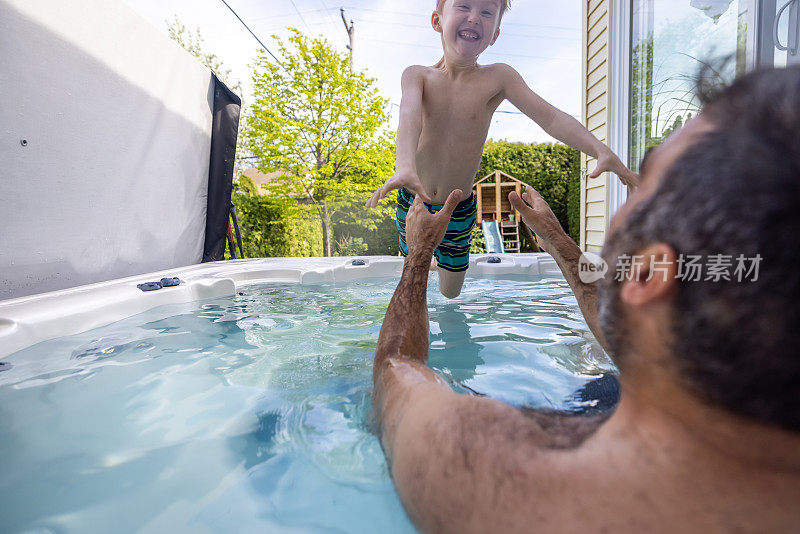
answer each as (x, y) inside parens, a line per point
(245, 185)
(192, 42)
(323, 126)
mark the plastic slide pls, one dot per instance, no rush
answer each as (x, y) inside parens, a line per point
(491, 234)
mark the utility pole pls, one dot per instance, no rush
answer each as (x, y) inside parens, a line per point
(350, 31)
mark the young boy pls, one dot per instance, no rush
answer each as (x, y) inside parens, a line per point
(445, 113)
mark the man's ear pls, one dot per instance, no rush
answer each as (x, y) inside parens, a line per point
(653, 275)
(436, 21)
(496, 35)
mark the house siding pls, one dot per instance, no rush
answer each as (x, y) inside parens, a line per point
(594, 108)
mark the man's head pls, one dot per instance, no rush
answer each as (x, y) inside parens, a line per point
(725, 189)
(468, 27)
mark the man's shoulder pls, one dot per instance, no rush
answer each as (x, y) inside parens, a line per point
(481, 445)
(465, 421)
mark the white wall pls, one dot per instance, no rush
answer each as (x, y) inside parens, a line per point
(117, 120)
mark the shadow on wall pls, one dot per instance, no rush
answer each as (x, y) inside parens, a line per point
(112, 180)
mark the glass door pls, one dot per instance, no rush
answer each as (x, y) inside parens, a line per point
(671, 40)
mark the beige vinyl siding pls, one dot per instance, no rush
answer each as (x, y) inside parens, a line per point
(594, 100)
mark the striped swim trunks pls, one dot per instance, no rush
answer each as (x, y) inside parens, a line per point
(452, 254)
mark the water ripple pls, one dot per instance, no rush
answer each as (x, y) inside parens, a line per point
(257, 407)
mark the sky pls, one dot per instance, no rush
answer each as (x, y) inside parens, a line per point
(540, 38)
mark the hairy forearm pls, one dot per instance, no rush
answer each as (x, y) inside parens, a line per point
(405, 327)
(567, 255)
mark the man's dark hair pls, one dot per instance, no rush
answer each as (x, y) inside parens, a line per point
(735, 192)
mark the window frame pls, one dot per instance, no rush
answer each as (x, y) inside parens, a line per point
(619, 87)
(620, 82)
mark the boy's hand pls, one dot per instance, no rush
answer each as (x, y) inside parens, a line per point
(425, 230)
(409, 180)
(608, 161)
(536, 213)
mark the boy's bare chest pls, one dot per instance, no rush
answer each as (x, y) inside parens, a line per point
(448, 102)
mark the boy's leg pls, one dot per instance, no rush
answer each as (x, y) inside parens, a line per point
(450, 282)
(452, 254)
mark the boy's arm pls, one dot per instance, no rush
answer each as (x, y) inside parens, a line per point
(563, 127)
(408, 132)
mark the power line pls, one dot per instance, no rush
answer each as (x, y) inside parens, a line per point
(273, 17)
(329, 14)
(300, 15)
(521, 113)
(251, 32)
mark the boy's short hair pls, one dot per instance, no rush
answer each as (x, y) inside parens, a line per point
(503, 6)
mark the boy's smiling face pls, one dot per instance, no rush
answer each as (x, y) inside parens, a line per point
(468, 27)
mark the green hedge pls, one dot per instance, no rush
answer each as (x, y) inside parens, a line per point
(274, 227)
(552, 169)
(279, 227)
(380, 240)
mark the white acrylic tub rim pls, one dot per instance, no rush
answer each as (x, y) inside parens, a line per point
(28, 320)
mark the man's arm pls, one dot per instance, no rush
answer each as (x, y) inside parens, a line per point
(402, 352)
(541, 219)
(409, 130)
(562, 126)
(460, 463)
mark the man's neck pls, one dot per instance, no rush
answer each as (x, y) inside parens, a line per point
(657, 405)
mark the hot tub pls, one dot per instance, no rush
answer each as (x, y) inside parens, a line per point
(240, 399)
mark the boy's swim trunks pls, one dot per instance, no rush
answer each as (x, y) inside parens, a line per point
(452, 254)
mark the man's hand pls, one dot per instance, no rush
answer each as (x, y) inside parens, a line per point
(608, 161)
(425, 230)
(536, 213)
(407, 179)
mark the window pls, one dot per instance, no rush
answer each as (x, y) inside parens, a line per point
(670, 41)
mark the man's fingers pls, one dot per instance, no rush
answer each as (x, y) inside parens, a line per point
(450, 204)
(595, 173)
(517, 202)
(532, 197)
